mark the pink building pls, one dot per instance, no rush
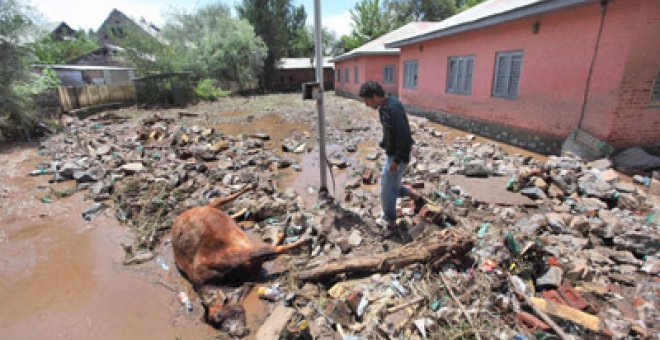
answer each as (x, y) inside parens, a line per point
(372, 61)
(529, 72)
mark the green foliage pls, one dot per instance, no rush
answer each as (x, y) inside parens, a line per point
(16, 115)
(50, 51)
(37, 83)
(208, 43)
(207, 90)
(369, 20)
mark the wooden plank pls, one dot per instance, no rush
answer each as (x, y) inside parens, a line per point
(576, 316)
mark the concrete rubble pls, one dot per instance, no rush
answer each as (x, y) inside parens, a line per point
(580, 240)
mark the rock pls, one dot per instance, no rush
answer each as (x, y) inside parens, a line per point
(139, 257)
(581, 224)
(355, 239)
(601, 164)
(630, 201)
(609, 175)
(551, 279)
(541, 184)
(85, 176)
(612, 222)
(93, 210)
(533, 193)
(351, 148)
(640, 243)
(373, 156)
(595, 187)
(132, 167)
(532, 225)
(625, 187)
(261, 136)
(338, 312)
(275, 323)
(102, 150)
(476, 169)
(555, 192)
(636, 159)
(651, 265)
(338, 163)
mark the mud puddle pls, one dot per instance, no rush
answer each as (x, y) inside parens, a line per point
(62, 277)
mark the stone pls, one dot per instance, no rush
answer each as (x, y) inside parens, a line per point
(551, 279)
(533, 193)
(541, 184)
(351, 148)
(555, 192)
(612, 222)
(651, 265)
(102, 150)
(85, 176)
(132, 167)
(338, 312)
(261, 136)
(275, 323)
(601, 164)
(630, 201)
(355, 238)
(595, 187)
(639, 243)
(476, 169)
(532, 224)
(581, 224)
(609, 175)
(373, 156)
(625, 187)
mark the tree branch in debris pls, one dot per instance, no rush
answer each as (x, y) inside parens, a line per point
(437, 248)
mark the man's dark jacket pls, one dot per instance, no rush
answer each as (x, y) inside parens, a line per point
(397, 140)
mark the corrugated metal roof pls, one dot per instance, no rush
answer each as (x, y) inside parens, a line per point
(377, 46)
(488, 13)
(298, 63)
(83, 67)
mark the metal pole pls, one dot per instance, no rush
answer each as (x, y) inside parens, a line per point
(318, 46)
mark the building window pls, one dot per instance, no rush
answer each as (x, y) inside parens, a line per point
(338, 75)
(290, 79)
(410, 74)
(655, 96)
(459, 74)
(388, 77)
(347, 75)
(508, 67)
(356, 75)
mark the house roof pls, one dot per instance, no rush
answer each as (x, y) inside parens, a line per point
(378, 45)
(298, 63)
(83, 67)
(488, 13)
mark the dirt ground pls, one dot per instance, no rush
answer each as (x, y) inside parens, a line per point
(63, 277)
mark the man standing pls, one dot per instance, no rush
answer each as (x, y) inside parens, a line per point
(397, 143)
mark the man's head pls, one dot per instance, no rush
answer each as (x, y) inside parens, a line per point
(373, 94)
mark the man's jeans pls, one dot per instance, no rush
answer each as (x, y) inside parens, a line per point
(391, 189)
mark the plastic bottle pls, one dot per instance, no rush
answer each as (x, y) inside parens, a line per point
(185, 301)
(38, 172)
(162, 264)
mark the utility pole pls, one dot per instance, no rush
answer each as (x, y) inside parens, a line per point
(318, 46)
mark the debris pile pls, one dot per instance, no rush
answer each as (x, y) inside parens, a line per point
(505, 246)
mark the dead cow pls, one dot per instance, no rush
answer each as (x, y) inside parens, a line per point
(210, 248)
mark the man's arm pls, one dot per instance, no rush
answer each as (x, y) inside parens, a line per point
(401, 136)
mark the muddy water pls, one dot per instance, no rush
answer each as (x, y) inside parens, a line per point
(62, 277)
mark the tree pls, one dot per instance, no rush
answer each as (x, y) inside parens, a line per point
(16, 115)
(270, 20)
(209, 42)
(401, 12)
(301, 39)
(369, 21)
(49, 51)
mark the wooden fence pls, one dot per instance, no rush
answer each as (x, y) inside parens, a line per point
(78, 97)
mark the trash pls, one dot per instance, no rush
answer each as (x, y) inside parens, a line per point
(272, 293)
(185, 301)
(162, 264)
(94, 209)
(576, 316)
(39, 172)
(399, 288)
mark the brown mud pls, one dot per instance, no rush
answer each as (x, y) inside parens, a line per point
(62, 277)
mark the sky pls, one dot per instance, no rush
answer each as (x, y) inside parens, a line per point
(91, 13)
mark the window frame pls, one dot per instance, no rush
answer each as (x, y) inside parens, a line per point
(356, 75)
(508, 94)
(347, 75)
(391, 68)
(654, 99)
(406, 65)
(468, 79)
